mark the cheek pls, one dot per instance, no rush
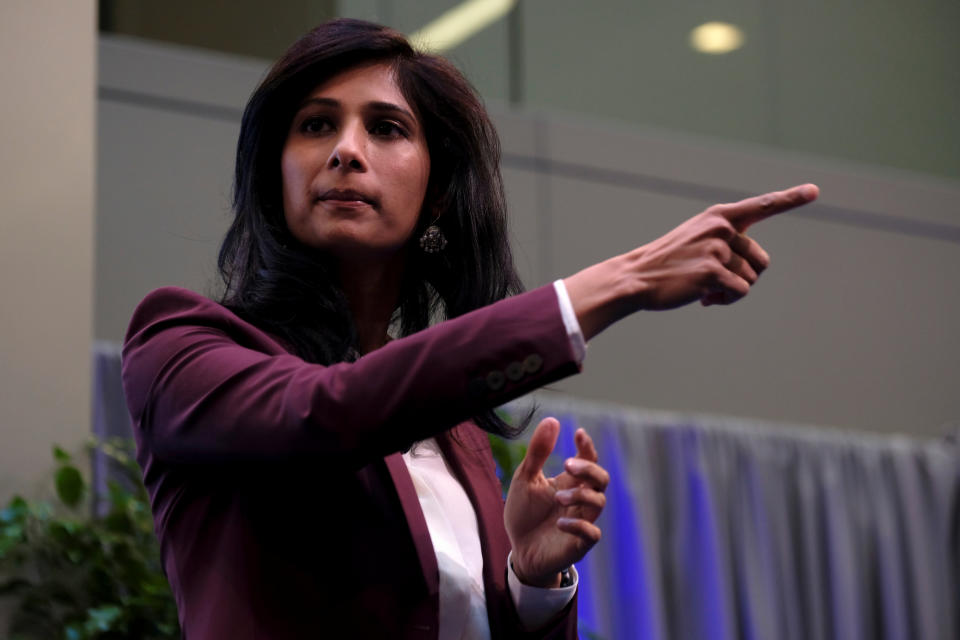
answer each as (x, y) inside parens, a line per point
(293, 186)
(417, 187)
(413, 182)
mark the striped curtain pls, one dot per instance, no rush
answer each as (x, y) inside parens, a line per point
(719, 530)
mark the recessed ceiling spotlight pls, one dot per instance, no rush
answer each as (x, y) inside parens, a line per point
(716, 38)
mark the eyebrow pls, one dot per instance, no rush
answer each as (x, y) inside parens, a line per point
(376, 105)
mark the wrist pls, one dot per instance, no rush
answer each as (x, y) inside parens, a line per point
(549, 581)
(636, 289)
(602, 294)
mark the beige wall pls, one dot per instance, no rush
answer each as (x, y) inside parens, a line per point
(48, 75)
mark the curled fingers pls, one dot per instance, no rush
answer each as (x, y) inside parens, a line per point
(742, 268)
(588, 473)
(581, 503)
(727, 287)
(587, 533)
(751, 251)
(585, 497)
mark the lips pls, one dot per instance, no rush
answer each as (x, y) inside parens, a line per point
(347, 195)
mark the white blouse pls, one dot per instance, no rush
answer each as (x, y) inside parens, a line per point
(453, 528)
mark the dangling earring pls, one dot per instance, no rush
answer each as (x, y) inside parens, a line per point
(433, 240)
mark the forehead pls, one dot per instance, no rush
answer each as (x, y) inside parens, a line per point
(374, 82)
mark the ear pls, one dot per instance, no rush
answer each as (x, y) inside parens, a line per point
(433, 207)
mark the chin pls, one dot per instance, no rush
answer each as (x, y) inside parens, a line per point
(351, 248)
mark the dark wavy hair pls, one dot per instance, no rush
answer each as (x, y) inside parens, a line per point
(291, 290)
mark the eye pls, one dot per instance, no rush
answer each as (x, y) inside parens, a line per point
(388, 129)
(316, 124)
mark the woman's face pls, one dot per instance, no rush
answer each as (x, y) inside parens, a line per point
(355, 166)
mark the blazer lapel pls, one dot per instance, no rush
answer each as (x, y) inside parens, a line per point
(415, 520)
(466, 450)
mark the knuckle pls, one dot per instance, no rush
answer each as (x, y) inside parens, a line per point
(724, 230)
(604, 480)
(718, 226)
(719, 249)
(712, 273)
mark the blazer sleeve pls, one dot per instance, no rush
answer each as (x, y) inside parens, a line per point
(203, 385)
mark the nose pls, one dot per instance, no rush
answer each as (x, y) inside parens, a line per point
(348, 152)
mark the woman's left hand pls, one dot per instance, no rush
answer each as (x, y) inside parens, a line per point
(550, 521)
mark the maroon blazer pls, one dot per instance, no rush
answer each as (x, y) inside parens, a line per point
(282, 504)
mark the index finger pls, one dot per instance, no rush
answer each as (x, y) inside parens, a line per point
(585, 448)
(750, 211)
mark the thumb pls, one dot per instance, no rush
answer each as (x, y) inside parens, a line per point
(541, 445)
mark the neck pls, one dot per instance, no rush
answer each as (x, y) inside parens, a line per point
(372, 291)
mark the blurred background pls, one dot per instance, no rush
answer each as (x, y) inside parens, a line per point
(617, 123)
(619, 119)
(876, 85)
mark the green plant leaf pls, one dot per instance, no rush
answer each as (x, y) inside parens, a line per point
(508, 456)
(90, 576)
(41, 510)
(519, 453)
(118, 521)
(69, 485)
(60, 455)
(12, 531)
(8, 544)
(102, 618)
(15, 510)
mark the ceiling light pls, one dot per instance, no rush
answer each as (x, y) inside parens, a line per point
(460, 24)
(716, 38)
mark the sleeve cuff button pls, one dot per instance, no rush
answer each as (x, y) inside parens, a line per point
(515, 371)
(532, 363)
(496, 380)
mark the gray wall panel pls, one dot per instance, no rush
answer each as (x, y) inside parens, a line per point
(163, 202)
(853, 326)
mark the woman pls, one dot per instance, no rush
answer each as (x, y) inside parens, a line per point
(311, 477)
